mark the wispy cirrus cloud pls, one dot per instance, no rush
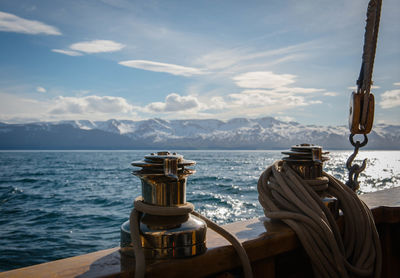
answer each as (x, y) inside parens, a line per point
(12, 23)
(330, 94)
(263, 80)
(299, 90)
(268, 82)
(97, 46)
(355, 87)
(67, 52)
(236, 59)
(90, 47)
(162, 67)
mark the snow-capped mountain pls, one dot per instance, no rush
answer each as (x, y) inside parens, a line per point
(238, 133)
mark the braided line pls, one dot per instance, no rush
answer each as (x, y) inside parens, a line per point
(284, 195)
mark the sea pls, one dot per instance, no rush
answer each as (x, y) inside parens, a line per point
(58, 204)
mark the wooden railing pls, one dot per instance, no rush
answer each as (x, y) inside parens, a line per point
(272, 247)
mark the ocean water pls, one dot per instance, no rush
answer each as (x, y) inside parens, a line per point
(58, 204)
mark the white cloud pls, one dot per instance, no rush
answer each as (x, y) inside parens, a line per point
(217, 103)
(263, 80)
(219, 59)
(330, 94)
(355, 87)
(41, 90)
(282, 91)
(13, 23)
(285, 118)
(396, 84)
(67, 52)
(262, 99)
(267, 89)
(269, 93)
(174, 103)
(162, 67)
(390, 99)
(14, 108)
(91, 104)
(277, 99)
(259, 104)
(298, 90)
(97, 46)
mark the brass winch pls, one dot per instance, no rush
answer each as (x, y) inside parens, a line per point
(307, 160)
(163, 176)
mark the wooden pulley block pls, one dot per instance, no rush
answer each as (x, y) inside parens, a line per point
(356, 123)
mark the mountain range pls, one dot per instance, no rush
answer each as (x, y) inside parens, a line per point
(157, 134)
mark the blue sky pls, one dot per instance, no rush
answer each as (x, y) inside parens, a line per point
(103, 59)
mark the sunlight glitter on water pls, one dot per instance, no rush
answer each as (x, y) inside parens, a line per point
(382, 171)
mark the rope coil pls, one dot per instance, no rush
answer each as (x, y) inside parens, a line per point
(284, 195)
(141, 207)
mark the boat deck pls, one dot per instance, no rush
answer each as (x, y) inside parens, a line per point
(272, 247)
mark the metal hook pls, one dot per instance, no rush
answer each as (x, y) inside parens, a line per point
(351, 158)
(356, 169)
(359, 169)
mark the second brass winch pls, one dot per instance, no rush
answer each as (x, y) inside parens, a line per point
(307, 160)
(163, 176)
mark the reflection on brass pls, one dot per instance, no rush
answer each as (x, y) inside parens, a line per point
(162, 191)
(163, 176)
(188, 239)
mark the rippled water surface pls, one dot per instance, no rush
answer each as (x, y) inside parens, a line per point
(59, 204)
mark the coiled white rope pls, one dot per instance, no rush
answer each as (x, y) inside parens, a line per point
(286, 196)
(141, 207)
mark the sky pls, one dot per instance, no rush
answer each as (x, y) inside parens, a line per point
(119, 59)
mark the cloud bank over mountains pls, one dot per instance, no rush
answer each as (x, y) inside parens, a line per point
(250, 102)
(157, 134)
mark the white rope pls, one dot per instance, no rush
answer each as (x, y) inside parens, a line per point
(286, 196)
